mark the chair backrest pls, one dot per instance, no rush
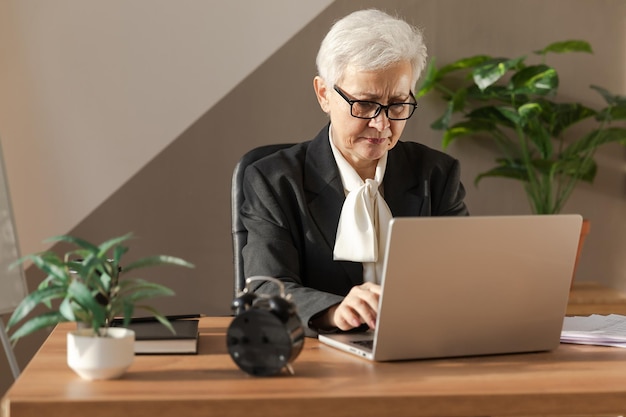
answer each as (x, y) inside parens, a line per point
(239, 232)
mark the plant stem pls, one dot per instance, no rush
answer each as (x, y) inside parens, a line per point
(533, 187)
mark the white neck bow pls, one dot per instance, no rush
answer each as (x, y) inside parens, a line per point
(364, 220)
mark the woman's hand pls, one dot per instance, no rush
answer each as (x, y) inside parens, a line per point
(358, 307)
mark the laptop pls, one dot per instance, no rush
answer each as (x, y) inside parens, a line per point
(468, 286)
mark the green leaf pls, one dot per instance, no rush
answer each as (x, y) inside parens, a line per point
(48, 319)
(530, 110)
(464, 63)
(559, 116)
(86, 265)
(511, 172)
(51, 280)
(566, 46)
(28, 304)
(536, 79)
(429, 81)
(493, 92)
(157, 260)
(105, 281)
(510, 114)
(594, 139)
(74, 240)
(616, 109)
(105, 247)
(458, 100)
(160, 317)
(444, 121)
(495, 115)
(128, 308)
(581, 169)
(132, 291)
(493, 70)
(137, 289)
(49, 263)
(610, 114)
(610, 98)
(546, 168)
(466, 128)
(118, 252)
(66, 309)
(83, 296)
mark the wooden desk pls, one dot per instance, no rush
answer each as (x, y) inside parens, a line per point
(573, 379)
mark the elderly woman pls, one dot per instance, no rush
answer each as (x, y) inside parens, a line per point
(317, 213)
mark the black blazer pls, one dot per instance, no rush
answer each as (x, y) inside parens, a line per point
(293, 201)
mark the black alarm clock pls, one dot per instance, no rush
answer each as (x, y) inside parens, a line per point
(266, 335)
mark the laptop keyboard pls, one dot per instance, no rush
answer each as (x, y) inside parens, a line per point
(369, 343)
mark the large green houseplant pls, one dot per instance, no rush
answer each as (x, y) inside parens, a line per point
(515, 104)
(92, 286)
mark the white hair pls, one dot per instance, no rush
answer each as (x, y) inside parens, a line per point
(370, 40)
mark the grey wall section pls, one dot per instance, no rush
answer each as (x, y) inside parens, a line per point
(178, 203)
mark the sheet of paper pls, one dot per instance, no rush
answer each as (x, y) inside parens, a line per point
(596, 329)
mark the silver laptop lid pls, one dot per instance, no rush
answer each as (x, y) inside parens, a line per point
(458, 286)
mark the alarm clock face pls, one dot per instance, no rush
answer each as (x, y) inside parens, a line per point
(261, 344)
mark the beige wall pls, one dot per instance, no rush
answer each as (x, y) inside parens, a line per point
(129, 116)
(94, 90)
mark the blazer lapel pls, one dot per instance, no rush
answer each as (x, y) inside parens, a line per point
(403, 196)
(325, 196)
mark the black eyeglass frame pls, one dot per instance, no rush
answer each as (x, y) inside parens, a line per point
(351, 102)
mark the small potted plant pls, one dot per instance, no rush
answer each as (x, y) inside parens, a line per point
(92, 288)
(515, 104)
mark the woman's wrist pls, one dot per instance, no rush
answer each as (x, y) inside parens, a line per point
(324, 321)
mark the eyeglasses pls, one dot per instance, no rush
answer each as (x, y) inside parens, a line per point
(364, 109)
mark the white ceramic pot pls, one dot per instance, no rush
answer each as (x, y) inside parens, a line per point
(105, 357)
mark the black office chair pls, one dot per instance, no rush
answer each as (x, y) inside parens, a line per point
(239, 232)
